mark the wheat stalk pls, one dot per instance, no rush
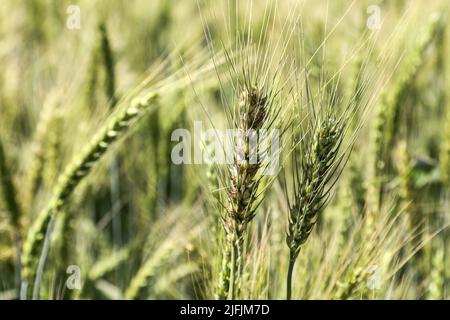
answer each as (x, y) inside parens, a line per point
(436, 287)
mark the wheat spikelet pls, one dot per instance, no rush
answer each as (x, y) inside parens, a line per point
(212, 180)
(407, 188)
(437, 277)
(223, 287)
(348, 288)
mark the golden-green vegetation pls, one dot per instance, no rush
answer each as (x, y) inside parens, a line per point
(353, 204)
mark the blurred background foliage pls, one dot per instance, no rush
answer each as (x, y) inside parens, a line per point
(140, 227)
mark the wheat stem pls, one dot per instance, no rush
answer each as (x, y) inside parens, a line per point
(233, 273)
(289, 277)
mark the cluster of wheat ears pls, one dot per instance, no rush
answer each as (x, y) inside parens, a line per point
(357, 208)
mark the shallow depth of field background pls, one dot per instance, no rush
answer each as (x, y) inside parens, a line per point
(139, 227)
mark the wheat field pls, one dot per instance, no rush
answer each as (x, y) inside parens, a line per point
(335, 183)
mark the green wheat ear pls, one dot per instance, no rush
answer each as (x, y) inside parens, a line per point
(242, 184)
(74, 173)
(317, 159)
(313, 174)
